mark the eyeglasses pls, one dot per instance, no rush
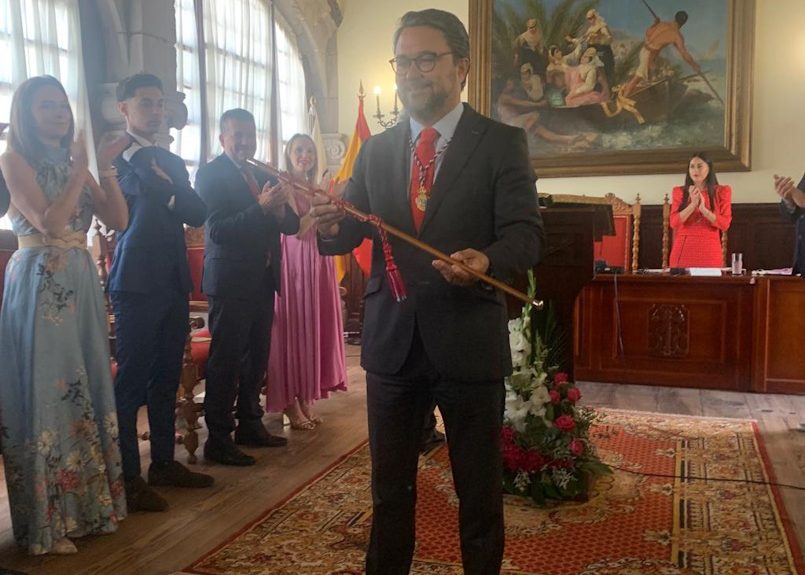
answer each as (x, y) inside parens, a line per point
(425, 62)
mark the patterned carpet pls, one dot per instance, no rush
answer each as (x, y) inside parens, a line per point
(632, 524)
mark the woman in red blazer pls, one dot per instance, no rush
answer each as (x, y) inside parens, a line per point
(700, 210)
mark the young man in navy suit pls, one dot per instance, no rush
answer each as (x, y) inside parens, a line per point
(463, 184)
(247, 211)
(149, 286)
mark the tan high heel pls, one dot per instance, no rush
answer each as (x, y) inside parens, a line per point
(297, 420)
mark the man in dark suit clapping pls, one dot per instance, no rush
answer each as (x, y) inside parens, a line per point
(149, 286)
(247, 211)
(463, 184)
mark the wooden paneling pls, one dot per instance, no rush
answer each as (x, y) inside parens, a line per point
(779, 324)
(666, 330)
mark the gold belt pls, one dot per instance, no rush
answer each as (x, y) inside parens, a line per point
(66, 242)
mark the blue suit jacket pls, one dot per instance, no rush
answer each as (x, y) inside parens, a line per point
(151, 254)
(238, 236)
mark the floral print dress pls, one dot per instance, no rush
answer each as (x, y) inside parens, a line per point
(57, 407)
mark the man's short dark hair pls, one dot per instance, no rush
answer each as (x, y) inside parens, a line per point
(127, 87)
(237, 114)
(447, 23)
(681, 17)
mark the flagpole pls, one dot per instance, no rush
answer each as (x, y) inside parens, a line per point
(407, 238)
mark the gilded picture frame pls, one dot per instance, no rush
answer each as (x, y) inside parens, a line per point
(638, 106)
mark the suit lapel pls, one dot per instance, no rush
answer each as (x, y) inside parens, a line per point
(238, 182)
(401, 172)
(468, 134)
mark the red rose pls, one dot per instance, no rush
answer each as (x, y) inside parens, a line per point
(565, 423)
(532, 461)
(573, 394)
(555, 397)
(560, 377)
(577, 447)
(507, 434)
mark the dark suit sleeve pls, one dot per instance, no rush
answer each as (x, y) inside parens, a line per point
(352, 232)
(235, 227)
(518, 223)
(138, 178)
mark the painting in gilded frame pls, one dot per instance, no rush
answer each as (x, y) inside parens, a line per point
(617, 86)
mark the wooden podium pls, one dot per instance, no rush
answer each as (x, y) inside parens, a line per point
(567, 262)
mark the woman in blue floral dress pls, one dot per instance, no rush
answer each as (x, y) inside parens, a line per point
(57, 407)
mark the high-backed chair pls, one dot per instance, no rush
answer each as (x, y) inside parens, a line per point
(197, 348)
(623, 248)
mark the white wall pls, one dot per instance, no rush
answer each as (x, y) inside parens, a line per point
(364, 50)
(778, 117)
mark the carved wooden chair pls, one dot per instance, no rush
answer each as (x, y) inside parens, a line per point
(623, 248)
(667, 236)
(197, 348)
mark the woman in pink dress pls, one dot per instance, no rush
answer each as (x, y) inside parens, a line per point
(700, 211)
(307, 346)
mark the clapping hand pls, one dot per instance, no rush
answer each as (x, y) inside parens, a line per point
(695, 196)
(78, 153)
(273, 199)
(784, 187)
(110, 147)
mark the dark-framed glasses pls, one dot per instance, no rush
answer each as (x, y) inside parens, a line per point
(425, 62)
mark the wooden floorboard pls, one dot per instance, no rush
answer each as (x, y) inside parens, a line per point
(198, 520)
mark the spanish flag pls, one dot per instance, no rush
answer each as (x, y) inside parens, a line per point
(363, 253)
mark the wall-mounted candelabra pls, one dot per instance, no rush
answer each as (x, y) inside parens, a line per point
(393, 115)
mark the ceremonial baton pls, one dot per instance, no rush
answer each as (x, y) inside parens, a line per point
(407, 238)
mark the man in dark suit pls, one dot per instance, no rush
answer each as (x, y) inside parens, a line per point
(247, 211)
(448, 340)
(792, 205)
(149, 285)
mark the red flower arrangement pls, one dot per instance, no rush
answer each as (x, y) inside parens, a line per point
(547, 453)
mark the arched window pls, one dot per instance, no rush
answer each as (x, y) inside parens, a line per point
(239, 57)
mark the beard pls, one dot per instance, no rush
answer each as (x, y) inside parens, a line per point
(423, 99)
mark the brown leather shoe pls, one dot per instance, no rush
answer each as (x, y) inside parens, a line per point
(140, 497)
(174, 474)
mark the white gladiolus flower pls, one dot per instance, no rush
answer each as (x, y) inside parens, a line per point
(516, 410)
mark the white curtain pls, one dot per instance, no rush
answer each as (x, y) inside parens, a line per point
(239, 65)
(187, 141)
(291, 80)
(43, 37)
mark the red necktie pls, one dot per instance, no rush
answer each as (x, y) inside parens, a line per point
(249, 177)
(422, 171)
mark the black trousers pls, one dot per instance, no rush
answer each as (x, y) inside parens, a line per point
(472, 411)
(236, 367)
(151, 330)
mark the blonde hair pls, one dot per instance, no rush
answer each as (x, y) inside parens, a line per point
(312, 174)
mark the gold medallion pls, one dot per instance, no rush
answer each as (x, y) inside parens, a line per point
(421, 200)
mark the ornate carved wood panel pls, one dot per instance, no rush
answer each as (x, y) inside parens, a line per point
(668, 334)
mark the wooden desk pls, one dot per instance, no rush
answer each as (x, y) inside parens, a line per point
(732, 333)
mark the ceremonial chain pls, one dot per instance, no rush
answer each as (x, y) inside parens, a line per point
(422, 193)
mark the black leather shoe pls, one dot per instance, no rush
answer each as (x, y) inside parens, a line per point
(174, 474)
(258, 436)
(140, 497)
(227, 454)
